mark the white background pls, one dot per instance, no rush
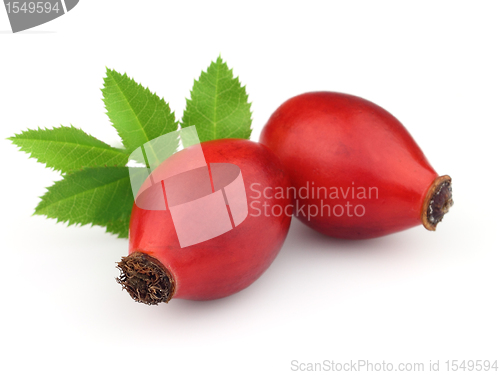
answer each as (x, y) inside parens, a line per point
(414, 296)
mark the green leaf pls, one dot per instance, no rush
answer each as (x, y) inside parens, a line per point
(119, 227)
(68, 148)
(97, 196)
(137, 114)
(219, 105)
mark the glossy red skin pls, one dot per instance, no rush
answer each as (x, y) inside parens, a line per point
(335, 139)
(228, 263)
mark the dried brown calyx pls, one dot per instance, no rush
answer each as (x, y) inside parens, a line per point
(145, 279)
(437, 202)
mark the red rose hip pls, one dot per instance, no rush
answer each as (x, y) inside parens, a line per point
(356, 172)
(161, 265)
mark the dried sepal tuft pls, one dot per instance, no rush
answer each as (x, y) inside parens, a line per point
(145, 279)
(438, 202)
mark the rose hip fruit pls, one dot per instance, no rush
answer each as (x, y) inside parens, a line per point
(158, 268)
(355, 170)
